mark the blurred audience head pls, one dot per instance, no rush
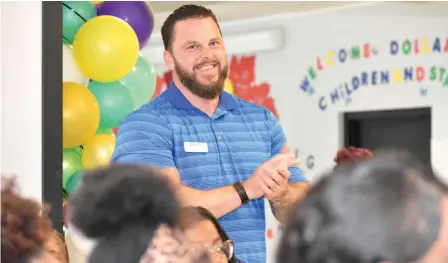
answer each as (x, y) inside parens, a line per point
(386, 208)
(351, 154)
(131, 213)
(439, 251)
(27, 234)
(202, 228)
(169, 246)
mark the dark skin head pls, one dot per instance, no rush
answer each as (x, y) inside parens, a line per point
(200, 227)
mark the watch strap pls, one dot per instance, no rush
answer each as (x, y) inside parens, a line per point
(241, 192)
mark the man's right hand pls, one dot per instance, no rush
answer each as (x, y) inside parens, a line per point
(269, 173)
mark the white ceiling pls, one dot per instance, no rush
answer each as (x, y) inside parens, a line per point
(161, 6)
(239, 10)
(167, 6)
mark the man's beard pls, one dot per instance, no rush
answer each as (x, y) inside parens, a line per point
(203, 91)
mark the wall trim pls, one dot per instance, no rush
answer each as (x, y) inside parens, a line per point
(52, 109)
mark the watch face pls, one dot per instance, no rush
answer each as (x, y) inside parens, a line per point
(237, 187)
(241, 192)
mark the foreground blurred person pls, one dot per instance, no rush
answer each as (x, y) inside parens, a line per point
(439, 251)
(384, 209)
(130, 212)
(201, 227)
(27, 235)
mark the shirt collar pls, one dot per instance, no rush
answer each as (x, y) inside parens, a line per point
(175, 97)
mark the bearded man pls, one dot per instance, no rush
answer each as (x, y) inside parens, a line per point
(220, 152)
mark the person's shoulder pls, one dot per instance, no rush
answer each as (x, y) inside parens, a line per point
(149, 114)
(248, 107)
(155, 106)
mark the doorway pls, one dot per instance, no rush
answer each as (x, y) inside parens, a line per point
(404, 129)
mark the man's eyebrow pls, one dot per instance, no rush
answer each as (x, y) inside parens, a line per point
(216, 39)
(189, 42)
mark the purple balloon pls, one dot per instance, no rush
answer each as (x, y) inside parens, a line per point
(98, 6)
(136, 13)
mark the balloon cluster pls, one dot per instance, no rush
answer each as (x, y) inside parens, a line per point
(105, 78)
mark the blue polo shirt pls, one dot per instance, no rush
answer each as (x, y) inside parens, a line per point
(240, 136)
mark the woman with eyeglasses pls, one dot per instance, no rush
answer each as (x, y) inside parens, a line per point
(201, 227)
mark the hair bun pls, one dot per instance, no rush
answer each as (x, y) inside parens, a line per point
(351, 154)
(121, 196)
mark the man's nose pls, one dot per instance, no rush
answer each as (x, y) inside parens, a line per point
(207, 53)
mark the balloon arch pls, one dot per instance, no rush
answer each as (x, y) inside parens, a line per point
(105, 78)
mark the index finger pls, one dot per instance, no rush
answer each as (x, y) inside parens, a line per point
(288, 162)
(280, 157)
(285, 149)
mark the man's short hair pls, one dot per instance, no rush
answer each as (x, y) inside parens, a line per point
(183, 13)
(384, 208)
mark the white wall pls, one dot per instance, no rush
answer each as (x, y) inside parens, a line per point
(312, 34)
(319, 133)
(307, 36)
(21, 92)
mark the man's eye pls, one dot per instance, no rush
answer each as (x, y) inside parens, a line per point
(214, 43)
(191, 47)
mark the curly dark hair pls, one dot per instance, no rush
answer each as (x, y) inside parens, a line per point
(386, 208)
(25, 225)
(121, 206)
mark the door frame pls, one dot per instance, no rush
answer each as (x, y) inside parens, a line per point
(351, 120)
(52, 110)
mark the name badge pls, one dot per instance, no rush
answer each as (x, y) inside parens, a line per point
(196, 147)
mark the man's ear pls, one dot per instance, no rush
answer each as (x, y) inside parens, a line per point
(169, 60)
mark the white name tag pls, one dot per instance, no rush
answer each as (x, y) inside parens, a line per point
(196, 147)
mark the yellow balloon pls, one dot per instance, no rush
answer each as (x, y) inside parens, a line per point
(80, 114)
(96, 2)
(228, 86)
(105, 48)
(97, 151)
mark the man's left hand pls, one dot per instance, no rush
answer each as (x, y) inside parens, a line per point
(276, 189)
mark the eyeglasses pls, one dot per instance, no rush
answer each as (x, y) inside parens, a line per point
(225, 247)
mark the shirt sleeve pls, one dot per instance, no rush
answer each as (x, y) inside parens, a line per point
(144, 138)
(278, 140)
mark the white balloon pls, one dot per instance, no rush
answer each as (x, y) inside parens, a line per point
(70, 71)
(74, 255)
(82, 243)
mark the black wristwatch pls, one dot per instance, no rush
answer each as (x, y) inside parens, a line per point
(241, 192)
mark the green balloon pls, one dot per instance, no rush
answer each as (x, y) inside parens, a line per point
(115, 102)
(74, 15)
(71, 163)
(79, 149)
(104, 131)
(65, 41)
(141, 81)
(73, 182)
